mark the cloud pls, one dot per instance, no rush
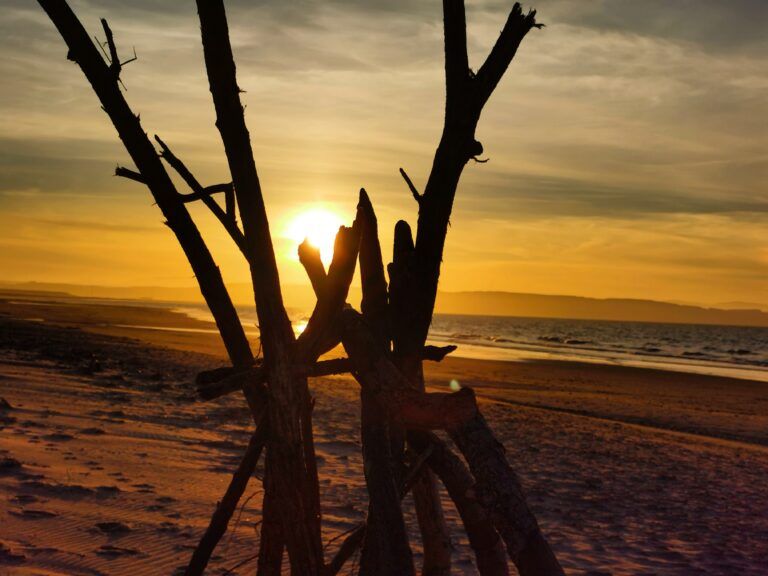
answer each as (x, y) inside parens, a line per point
(618, 118)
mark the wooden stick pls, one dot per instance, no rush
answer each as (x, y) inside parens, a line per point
(490, 556)
(309, 256)
(290, 447)
(385, 549)
(357, 536)
(226, 507)
(204, 194)
(101, 78)
(499, 490)
(216, 383)
(403, 403)
(313, 342)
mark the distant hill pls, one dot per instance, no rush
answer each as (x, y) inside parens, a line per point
(480, 303)
(545, 306)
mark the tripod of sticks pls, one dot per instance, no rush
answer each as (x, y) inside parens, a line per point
(384, 342)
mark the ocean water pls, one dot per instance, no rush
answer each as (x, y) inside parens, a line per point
(726, 350)
(740, 352)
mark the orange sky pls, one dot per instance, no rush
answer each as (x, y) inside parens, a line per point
(627, 145)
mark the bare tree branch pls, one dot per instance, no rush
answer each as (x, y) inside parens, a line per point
(517, 26)
(226, 507)
(83, 51)
(490, 556)
(204, 194)
(309, 256)
(411, 187)
(333, 295)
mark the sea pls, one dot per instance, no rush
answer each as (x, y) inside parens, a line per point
(734, 351)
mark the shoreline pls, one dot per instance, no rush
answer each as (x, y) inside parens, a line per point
(178, 327)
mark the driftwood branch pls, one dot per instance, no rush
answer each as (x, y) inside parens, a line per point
(457, 73)
(129, 174)
(500, 492)
(115, 66)
(385, 549)
(219, 382)
(201, 193)
(226, 507)
(411, 186)
(309, 256)
(83, 51)
(404, 404)
(490, 556)
(313, 341)
(271, 542)
(502, 53)
(356, 537)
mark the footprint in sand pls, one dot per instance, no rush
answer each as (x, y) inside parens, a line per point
(30, 514)
(109, 551)
(8, 556)
(58, 437)
(10, 466)
(113, 528)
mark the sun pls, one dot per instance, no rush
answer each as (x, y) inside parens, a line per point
(319, 226)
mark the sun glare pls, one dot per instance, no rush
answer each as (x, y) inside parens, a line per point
(319, 226)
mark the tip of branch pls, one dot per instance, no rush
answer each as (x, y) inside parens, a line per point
(161, 143)
(307, 251)
(364, 200)
(411, 186)
(403, 240)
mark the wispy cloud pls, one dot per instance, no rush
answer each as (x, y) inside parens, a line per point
(650, 113)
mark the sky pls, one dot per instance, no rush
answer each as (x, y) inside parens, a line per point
(627, 143)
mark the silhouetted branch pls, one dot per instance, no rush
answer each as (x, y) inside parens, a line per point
(490, 557)
(271, 541)
(226, 507)
(310, 343)
(83, 51)
(222, 381)
(208, 191)
(204, 194)
(456, 61)
(309, 256)
(129, 174)
(357, 536)
(411, 187)
(403, 403)
(502, 53)
(375, 304)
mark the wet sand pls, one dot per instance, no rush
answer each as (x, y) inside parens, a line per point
(108, 465)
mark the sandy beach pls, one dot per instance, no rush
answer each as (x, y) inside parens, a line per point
(109, 465)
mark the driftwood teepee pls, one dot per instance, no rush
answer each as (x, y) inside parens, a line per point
(385, 344)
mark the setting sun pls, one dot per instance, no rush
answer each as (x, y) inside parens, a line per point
(319, 226)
